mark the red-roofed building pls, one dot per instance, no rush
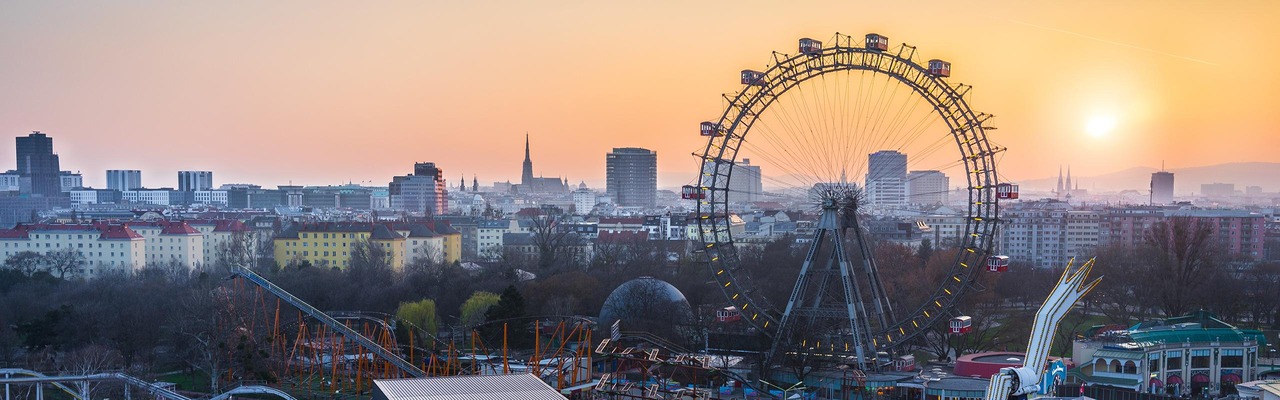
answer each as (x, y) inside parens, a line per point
(171, 243)
(216, 232)
(106, 248)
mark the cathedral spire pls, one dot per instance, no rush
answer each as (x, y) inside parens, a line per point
(1059, 191)
(526, 176)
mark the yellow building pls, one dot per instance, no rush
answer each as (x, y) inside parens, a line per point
(452, 243)
(331, 244)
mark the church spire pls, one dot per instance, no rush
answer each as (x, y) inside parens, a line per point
(526, 176)
(1059, 192)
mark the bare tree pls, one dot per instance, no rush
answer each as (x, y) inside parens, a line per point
(65, 260)
(91, 359)
(1183, 257)
(27, 262)
(551, 241)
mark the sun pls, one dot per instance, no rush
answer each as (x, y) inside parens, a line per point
(1100, 125)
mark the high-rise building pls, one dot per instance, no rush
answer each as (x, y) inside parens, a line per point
(1162, 187)
(190, 181)
(886, 184)
(124, 179)
(631, 176)
(745, 183)
(927, 187)
(38, 164)
(424, 191)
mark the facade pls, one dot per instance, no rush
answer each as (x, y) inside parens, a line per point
(68, 181)
(745, 184)
(38, 164)
(423, 191)
(886, 181)
(329, 244)
(93, 196)
(124, 179)
(584, 200)
(159, 197)
(1194, 355)
(631, 176)
(1235, 232)
(220, 233)
(10, 181)
(189, 181)
(1047, 233)
(332, 244)
(1161, 188)
(927, 187)
(106, 248)
(171, 243)
(210, 197)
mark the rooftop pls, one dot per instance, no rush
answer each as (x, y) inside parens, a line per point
(472, 387)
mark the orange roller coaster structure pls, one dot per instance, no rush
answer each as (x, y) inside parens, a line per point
(277, 337)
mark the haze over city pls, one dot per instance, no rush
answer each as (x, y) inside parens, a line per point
(326, 93)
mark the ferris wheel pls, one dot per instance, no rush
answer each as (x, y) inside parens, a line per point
(842, 123)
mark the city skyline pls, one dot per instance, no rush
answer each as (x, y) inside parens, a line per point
(227, 84)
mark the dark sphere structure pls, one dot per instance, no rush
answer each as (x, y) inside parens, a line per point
(646, 300)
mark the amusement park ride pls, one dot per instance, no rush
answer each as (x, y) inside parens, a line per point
(838, 308)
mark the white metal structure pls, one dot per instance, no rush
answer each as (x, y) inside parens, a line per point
(1011, 382)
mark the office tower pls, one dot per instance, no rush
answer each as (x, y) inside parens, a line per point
(124, 179)
(189, 181)
(886, 179)
(423, 191)
(631, 176)
(38, 164)
(1162, 187)
(745, 184)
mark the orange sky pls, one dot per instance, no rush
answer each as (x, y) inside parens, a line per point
(326, 92)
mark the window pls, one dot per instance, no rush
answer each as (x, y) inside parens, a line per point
(1232, 358)
(1173, 360)
(1200, 358)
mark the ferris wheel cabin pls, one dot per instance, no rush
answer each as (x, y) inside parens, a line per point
(708, 128)
(810, 46)
(939, 68)
(998, 263)
(690, 192)
(878, 42)
(1006, 191)
(961, 325)
(752, 77)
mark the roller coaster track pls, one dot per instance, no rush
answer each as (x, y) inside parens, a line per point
(350, 334)
(152, 388)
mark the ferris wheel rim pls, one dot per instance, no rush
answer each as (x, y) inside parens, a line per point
(949, 103)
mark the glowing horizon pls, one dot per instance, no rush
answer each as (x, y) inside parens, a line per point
(305, 93)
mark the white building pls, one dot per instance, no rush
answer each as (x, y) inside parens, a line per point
(217, 233)
(210, 197)
(584, 200)
(161, 197)
(171, 243)
(106, 248)
(927, 187)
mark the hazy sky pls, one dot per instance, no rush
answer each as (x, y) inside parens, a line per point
(323, 92)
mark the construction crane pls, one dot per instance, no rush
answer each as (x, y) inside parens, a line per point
(1016, 383)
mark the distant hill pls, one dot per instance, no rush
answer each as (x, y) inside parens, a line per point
(1185, 180)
